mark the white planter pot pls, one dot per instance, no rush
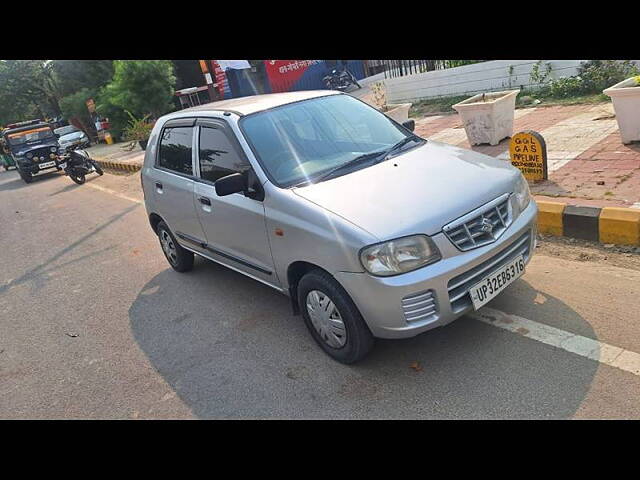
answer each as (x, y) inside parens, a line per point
(399, 112)
(488, 117)
(626, 103)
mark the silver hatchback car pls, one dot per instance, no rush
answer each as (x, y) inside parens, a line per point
(371, 230)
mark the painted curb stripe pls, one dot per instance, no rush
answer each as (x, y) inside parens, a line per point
(585, 347)
(127, 167)
(581, 222)
(617, 225)
(550, 218)
(620, 226)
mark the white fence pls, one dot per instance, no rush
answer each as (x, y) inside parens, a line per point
(488, 76)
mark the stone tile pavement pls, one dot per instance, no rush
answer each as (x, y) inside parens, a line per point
(586, 157)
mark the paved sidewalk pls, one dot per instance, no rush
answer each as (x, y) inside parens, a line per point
(116, 153)
(586, 157)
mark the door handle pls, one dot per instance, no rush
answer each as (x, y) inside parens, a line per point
(159, 186)
(205, 201)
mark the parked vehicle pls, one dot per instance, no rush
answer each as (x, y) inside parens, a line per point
(77, 164)
(33, 147)
(71, 137)
(371, 230)
(340, 79)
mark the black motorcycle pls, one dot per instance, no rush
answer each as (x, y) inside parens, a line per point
(77, 164)
(340, 79)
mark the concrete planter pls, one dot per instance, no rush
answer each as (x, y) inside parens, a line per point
(399, 112)
(488, 117)
(626, 103)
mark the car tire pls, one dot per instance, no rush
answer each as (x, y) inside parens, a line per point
(358, 341)
(26, 176)
(180, 259)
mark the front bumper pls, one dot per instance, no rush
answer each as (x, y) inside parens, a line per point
(380, 299)
(34, 168)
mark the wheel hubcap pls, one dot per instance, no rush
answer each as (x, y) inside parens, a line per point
(168, 246)
(326, 319)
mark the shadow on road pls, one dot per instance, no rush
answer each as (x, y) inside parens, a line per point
(37, 271)
(230, 348)
(17, 182)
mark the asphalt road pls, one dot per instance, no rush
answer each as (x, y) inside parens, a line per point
(94, 324)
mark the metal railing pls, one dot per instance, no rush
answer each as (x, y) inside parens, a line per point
(401, 68)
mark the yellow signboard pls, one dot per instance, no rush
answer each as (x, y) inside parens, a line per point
(528, 152)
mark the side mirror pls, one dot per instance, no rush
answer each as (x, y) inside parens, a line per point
(234, 183)
(410, 125)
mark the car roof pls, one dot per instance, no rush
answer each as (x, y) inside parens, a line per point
(26, 127)
(256, 103)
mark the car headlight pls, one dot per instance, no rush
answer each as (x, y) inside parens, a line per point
(522, 193)
(53, 149)
(399, 256)
(29, 155)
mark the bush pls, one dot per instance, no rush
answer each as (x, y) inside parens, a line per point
(593, 77)
(138, 129)
(600, 74)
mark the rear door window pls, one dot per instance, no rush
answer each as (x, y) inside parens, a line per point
(176, 147)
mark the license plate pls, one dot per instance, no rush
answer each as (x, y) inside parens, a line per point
(63, 165)
(493, 284)
(47, 165)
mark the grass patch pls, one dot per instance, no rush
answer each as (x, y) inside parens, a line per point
(435, 105)
(526, 98)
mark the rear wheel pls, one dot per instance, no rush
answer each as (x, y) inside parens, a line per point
(332, 318)
(180, 259)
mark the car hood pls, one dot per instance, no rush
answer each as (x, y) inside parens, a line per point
(71, 137)
(24, 149)
(418, 191)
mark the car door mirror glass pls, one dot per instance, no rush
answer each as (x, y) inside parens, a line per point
(410, 125)
(234, 183)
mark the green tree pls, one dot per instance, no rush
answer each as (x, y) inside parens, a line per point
(141, 87)
(74, 75)
(28, 88)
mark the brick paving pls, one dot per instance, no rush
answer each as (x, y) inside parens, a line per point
(588, 164)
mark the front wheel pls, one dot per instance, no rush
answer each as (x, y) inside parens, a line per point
(78, 177)
(26, 176)
(332, 318)
(99, 171)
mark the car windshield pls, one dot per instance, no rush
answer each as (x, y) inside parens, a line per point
(29, 136)
(66, 130)
(299, 142)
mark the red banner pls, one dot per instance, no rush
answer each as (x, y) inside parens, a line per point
(283, 74)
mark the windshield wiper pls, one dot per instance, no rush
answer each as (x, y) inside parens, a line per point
(399, 145)
(358, 159)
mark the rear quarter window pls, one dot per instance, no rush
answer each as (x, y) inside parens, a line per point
(175, 149)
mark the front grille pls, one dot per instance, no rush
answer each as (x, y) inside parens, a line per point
(419, 306)
(459, 286)
(482, 226)
(41, 152)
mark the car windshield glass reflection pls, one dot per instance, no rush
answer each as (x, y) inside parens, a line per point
(300, 142)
